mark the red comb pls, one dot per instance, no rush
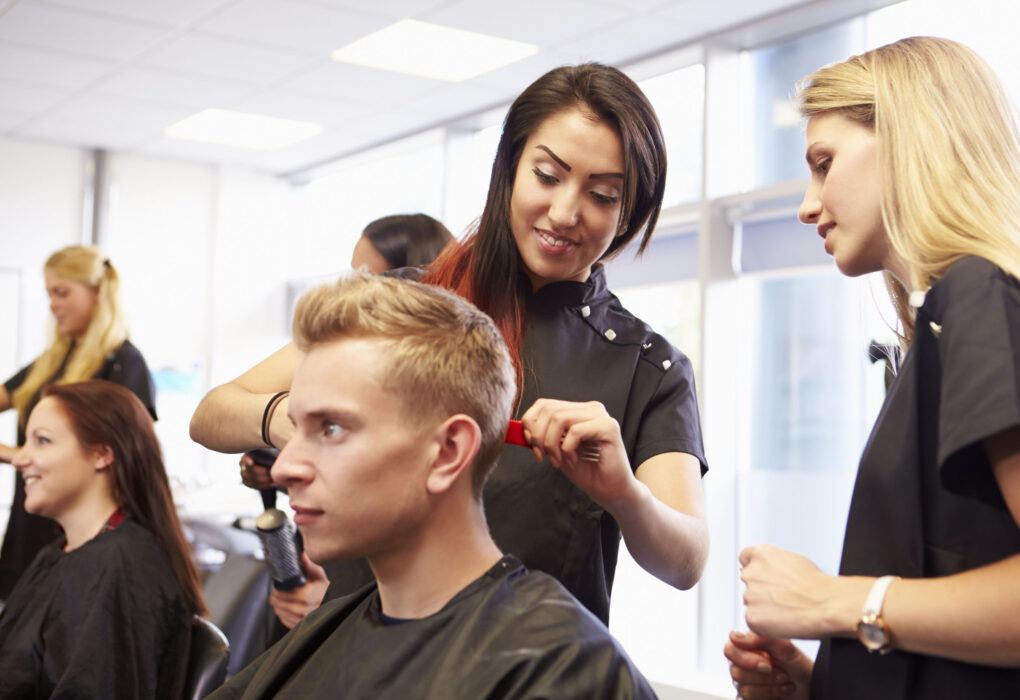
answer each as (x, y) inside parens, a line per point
(515, 434)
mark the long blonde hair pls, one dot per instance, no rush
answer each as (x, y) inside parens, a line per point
(948, 152)
(107, 330)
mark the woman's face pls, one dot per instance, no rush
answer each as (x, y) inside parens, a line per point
(367, 257)
(565, 205)
(59, 473)
(72, 304)
(844, 197)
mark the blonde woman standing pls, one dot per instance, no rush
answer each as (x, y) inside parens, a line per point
(915, 172)
(89, 341)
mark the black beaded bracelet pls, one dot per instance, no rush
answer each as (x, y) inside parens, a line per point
(267, 415)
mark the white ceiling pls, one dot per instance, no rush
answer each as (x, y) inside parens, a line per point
(112, 74)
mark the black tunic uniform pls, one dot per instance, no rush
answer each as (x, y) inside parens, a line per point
(509, 634)
(580, 344)
(106, 620)
(926, 502)
(27, 534)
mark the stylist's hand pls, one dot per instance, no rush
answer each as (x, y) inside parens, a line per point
(788, 596)
(292, 606)
(767, 667)
(255, 476)
(7, 453)
(557, 429)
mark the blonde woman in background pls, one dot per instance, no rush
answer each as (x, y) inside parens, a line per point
(89, 341)
(915, 171)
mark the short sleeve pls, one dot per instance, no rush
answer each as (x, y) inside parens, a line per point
(976, 325)
(670, 421)
(18, 379)
(127, 367)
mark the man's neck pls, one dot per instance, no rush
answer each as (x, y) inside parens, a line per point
(450, 554)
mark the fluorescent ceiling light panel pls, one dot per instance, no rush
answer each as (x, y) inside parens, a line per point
(433, 51)
(243, 130)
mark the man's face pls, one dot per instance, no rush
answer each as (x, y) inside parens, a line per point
(355, 469)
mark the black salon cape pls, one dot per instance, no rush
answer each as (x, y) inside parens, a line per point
(926, 502)
(107, 620)
(509, 634)
(580, 344)
(27, 534)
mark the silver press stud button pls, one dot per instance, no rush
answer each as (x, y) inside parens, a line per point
(611, 334)
(935, 328)
(585, 311)
(666, 364)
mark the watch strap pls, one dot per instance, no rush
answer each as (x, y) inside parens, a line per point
(876, 597)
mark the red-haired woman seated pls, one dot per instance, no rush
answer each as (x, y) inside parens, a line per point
(106, 611)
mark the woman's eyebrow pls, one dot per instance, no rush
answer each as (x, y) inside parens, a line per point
(563, 164)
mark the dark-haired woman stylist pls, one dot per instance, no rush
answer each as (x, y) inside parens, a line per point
(579, 173)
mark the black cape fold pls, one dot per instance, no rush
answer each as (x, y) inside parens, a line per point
(509, 634)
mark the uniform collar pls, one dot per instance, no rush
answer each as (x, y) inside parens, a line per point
(570, 293)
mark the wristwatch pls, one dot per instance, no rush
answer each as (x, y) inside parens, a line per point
(872, 630)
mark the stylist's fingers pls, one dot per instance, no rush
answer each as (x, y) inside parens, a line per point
(255, 476)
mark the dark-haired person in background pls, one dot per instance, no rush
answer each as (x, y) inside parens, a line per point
(90, 340)
(106, 611)
(401, 240)
(579, 173)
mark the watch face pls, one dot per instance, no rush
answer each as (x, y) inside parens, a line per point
(872, 635)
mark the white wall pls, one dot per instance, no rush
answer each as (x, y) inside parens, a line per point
(41, 194)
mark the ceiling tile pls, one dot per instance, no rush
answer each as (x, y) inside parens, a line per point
(164, 87)
(327, 111)
(47, 69)
(293, 25)
(534, 21)
(174, 14)
(227, 58)
(628, 41)
(391, 9)
(96, 111)
(720, 15)
(375, 87)
(30, 100)
(110, 136)
(69, 31)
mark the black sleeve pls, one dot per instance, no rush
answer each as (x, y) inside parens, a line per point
(978, 342)
(127, 367)
(670, 422)
(18, 379)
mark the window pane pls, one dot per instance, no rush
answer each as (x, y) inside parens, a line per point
(775, 71)
(679, 99)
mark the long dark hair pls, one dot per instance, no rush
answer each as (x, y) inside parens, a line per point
(102, 413)
(485, 267)
(407, 240)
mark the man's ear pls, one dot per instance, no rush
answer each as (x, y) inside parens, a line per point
(102, 457)
(459, 439)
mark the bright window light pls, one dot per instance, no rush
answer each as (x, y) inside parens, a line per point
(433, 51)
(243, 130)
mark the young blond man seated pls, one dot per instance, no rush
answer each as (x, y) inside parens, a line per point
(401, 403)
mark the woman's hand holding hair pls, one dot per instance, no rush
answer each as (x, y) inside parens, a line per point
(7, 453)
(557, 429)
(767, 667)
(659, 506)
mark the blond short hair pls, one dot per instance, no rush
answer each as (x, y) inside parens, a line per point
(948, 150)
(444, 355)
